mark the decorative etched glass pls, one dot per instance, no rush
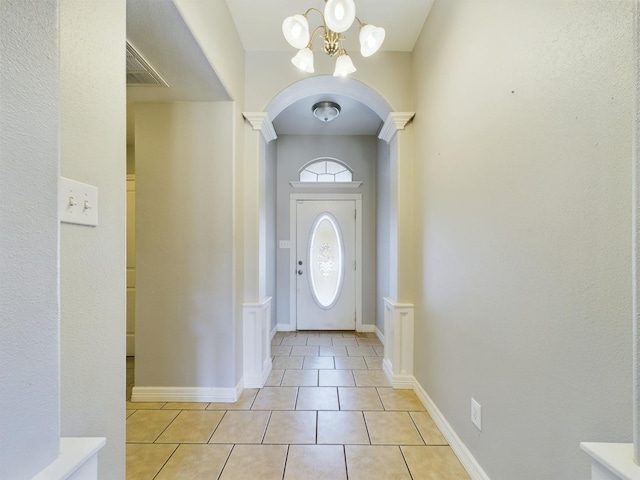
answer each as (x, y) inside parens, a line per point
(326, 260)
(326, 171)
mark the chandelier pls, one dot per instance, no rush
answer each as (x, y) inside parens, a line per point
(338, 17)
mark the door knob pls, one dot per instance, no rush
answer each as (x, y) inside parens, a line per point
(299, 262)
(299, 272)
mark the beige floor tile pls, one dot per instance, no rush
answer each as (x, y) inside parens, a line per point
(335, 428)
(298, 351)
(276, 341)
(144, 426)
(244, 402)
(129, 391)
(319, 363)
(403, 400)
(371, 342)
(338, 341)
(376, 463)
(434, 463)
(339, 351)
(281, 350)
(349, 334)
(144, 461)
(287, 363)
(195, 462)
(359, 398)
(379, 351)
(294, 340)
(185, 406)
(274, 379)
(371, 378)
(255, 462)
(276, 398)
(350, 363)
(336, 378)
(319, 340)
(291, 427)
(373, 363)
(191, 426)
(130, 412)
(392, 428)
(145, 405)
(130, 376)
(241, 427)
(317, 398)
(354, 351)
(315, 462)
(299, 378)
(426, 426)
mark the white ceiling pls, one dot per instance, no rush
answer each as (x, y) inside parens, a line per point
(260, 21)
(156, 29)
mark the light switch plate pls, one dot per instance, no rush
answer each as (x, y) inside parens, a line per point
(77, 202)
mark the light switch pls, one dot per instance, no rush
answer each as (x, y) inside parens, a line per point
(77, 202)
(285, 244)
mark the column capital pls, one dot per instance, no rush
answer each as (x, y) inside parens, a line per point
(260, 121)
(395, 121)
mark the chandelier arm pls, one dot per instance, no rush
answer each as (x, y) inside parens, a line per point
(312, 9)
(362, 24)
(316, 30)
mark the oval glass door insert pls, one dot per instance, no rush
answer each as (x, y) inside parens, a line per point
(326, 260)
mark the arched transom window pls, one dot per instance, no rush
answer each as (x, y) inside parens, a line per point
(325, 170)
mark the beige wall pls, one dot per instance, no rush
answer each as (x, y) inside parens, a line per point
(185, 245)
(523, 213)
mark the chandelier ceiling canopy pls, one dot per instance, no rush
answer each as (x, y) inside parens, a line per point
(338, 17)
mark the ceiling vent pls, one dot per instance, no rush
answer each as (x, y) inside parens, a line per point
(140, 73)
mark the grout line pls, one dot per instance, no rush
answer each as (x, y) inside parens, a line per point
(224, 414)
(233, 446)
(167, 460)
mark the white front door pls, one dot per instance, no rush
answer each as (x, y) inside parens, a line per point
(325, 264)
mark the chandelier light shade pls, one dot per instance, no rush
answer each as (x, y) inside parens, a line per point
(344, 65)
(296, 31)
(338, 17)
(304, 60)
(371, 38)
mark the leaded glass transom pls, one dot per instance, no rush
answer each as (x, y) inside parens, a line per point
(326, 171)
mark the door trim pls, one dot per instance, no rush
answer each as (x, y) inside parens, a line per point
(293, 253)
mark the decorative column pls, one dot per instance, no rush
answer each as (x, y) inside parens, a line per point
(256, 316)
(398, 317)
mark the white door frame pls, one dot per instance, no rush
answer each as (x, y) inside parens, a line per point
(293, 253)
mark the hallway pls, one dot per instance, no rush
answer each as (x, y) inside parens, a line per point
(327, 412)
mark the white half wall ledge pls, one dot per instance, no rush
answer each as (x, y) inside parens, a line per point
(261, 122)
(398, 349)
(78, 460)
(611, 461)
(256, 344)
(395, 121)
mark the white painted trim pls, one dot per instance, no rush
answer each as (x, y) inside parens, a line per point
(398, 352)
(468, 461)
(316, 185)
(285, 327)
(256, 345)
(261, 122)
(131, 344)
(380, 335)
(78, 460)
(395, 121)
(293, 253)
(273, 332)
(186, 394)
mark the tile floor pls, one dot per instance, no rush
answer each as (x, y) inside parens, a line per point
(327, 412)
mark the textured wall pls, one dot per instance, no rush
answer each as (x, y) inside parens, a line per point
(523, 215)
(29, 312)
(184, 237)
(92, 260)
(360, 153)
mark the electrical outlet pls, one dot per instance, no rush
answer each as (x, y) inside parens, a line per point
(476, 414)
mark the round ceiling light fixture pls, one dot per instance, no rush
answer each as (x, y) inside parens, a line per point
(326, 111)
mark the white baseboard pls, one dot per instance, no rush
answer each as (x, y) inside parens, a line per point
(367, 328)
(401, 382)
(468, 461)
(187, 394)
(131, 344)
(284, 327)
(274, 331)
(380, 335)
